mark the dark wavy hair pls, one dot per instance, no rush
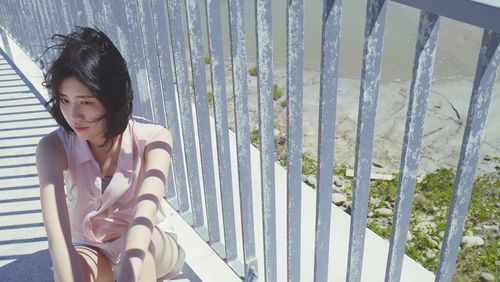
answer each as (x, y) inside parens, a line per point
(91, 57)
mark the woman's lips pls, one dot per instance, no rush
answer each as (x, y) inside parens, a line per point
(80, 129)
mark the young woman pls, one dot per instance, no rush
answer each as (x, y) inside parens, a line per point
(102, 173)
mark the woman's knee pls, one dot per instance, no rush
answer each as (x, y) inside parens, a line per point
(95, 265)
(148, 270)
(165, 252)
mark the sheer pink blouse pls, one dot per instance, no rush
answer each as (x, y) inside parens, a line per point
(96, 216)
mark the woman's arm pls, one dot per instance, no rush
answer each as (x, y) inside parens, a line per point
(51, 162)
(157, 157)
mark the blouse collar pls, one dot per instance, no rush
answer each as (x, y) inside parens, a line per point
(125, 157)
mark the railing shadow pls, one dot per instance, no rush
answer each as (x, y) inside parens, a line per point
(37, 267)
(29, 267)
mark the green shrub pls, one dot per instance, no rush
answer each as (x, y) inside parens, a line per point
(255, 138)
(210, 96)
(280, 154)
(277, 92)
(340, 170)
(432, 199)
(253, 71)
(283, 103)
(309, 166)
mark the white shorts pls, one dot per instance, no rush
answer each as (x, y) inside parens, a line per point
(113, 250)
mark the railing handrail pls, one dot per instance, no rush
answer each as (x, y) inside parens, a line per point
(201, 186)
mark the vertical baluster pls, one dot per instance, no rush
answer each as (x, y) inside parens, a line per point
(46, 33)
(88, 12)
(20, 32)
(203, 121)
(4, 29)
(101, 21)
(124, 39)
(77, 12)
(5, 40)
(179, 53)
(135, 45)
(56, 18)
(27, 26)
(41, 36)
(370, 76)
(263, 34)
(61, 8)
(239, 72)
(110, 24)
(486, 72)
(417, 105)
(294, 82)
(181, 203)
(212, 8)
(151, 60)
(332, 16)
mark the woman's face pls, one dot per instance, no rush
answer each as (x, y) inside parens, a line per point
(82, 110)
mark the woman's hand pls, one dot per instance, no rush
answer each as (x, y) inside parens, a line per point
(51, 162)
(137, 263)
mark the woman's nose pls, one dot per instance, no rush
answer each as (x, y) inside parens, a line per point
(75, 113)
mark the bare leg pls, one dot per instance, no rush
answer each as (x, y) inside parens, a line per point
(148, 270)
(160, 258)
(164, 250)
(95, 265)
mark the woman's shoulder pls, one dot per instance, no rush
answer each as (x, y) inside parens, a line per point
(51, 146)
(50, 140)
(148, 130)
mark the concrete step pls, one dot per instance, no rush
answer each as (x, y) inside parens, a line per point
(33, 122)
(21, 109)
(28, 130)
(8, 194)
(37, 114)
(19, 181)
(19, 159)
(15, 95)
(24, 168)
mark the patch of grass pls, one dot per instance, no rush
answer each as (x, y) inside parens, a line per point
(280, 154)
(340, 170)
(485, 194)
(255, 137)
(470, 260)
(208, 61)
(283, 103)
(432, 200)
(278, 127)
(383, 230)
(210, 96)
(253, 71)
(384, 189)
(309, 166)
(417, 249)
(277, 92)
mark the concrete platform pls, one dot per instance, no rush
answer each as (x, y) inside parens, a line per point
(24, 252)
(23, 244)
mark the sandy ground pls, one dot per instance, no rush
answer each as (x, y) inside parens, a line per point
(443, 129)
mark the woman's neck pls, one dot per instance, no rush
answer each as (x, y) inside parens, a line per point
(106, 155)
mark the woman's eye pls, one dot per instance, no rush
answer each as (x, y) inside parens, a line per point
(63, 101)
(86, 103)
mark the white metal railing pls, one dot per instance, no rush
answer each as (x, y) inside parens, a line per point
(151, 36)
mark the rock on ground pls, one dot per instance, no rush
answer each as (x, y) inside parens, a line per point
(472, 241)
(486, 277)
(338, 199)
(384, 212)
